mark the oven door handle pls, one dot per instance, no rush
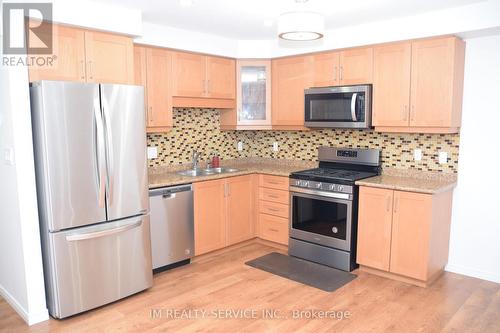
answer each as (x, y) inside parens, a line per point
(319, 194)
(353, 107)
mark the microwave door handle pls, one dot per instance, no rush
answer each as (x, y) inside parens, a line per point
(353, 107)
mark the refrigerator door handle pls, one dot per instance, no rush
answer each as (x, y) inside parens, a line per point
(101, 171)
(103, 233)
(109, 151)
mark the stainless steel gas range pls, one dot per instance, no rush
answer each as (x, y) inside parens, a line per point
(324, 206)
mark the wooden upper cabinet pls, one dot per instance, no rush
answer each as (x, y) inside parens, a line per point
(189, 72)
(109, 57)
(374, 227)
(391, 84)
(410, 234)
(432, 71)
(290, 76)
(209, 216)
(140, 66)
(240, 207)
(159, 81)
(326, 69)
(220, 77)
(437, 82)
(69, 50)
(356, 66)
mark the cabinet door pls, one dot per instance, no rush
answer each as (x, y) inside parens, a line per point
(221, 77)
(410, 234)
(159, 76)
(240, 203)
(391, 84)
(209, 216)
(189, 74)
(69, 50)
(140, 73)
(356, 66)
(433, 82)
(290, 77)
(254, 92)
(326, 69)
(110, 58)
(374, 227)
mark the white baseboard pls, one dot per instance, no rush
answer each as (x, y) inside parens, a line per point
(29, 318)
(480, 274)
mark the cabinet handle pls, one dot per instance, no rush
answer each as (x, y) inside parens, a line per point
(273, 209)
(412, 113)
(90, 70)
(151, 114)
(341, 73)
(208, 86)
(405, 113)
(82, 63)
(335, 72)
(273, 196)
(388, 204)
(396, 205)
(274, 183)
(272, 229)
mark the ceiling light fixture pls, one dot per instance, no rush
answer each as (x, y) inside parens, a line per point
(301, 25)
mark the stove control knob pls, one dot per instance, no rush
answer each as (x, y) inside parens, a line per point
(331, 187)
(318, 185)
(341, 188)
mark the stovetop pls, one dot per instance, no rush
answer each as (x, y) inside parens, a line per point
(332, 175)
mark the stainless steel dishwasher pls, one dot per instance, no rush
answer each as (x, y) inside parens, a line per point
(172, 226)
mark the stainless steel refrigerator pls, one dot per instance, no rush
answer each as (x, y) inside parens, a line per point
(92, 188)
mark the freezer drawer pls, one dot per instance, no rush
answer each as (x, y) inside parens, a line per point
(96, 265)
(172, 224)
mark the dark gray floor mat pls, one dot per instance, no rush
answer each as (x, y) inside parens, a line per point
(303, 271)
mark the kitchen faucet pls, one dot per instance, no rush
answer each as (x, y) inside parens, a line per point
(195, 158)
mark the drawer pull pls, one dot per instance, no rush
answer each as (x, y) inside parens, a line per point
(274, 183)
(272, 229)
(273, 209)
(273, 196)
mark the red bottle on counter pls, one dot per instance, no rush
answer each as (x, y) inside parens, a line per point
(215, 161)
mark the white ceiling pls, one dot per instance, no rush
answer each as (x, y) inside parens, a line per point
(244, 19)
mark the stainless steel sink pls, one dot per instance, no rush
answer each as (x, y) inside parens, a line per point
(206, 172)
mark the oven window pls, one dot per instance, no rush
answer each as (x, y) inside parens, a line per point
(320, 217)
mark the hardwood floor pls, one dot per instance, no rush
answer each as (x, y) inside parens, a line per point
(222, 281)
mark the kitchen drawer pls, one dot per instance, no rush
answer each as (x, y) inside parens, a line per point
(276, 182)
(273, 208)
(274, 228)
(270, 194)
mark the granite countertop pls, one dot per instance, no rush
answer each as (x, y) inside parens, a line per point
(412, 181)
(168, 176)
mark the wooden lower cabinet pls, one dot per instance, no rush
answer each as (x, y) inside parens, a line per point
(274, 208)
(273, 228)
(240, 203)
(223, 212)
(209, 216)
(404, 235)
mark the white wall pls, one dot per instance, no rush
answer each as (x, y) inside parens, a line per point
(475, 229)
(21, 272)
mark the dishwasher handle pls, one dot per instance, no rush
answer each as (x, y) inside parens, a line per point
(170, 192)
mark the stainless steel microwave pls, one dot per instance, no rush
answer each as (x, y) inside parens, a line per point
(338, 107)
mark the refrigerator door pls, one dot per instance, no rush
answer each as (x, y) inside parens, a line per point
(96, 265)
(125, 133)
(68, 139)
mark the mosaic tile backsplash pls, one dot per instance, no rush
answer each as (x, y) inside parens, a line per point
(198, 129)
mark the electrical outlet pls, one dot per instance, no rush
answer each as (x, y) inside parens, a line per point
(152, 152)
(417, 154)
(443, 157)
(8, 155)
(240, 146)
(276, 146)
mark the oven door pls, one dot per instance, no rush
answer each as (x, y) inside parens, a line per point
(321, 219)
(343, 107)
